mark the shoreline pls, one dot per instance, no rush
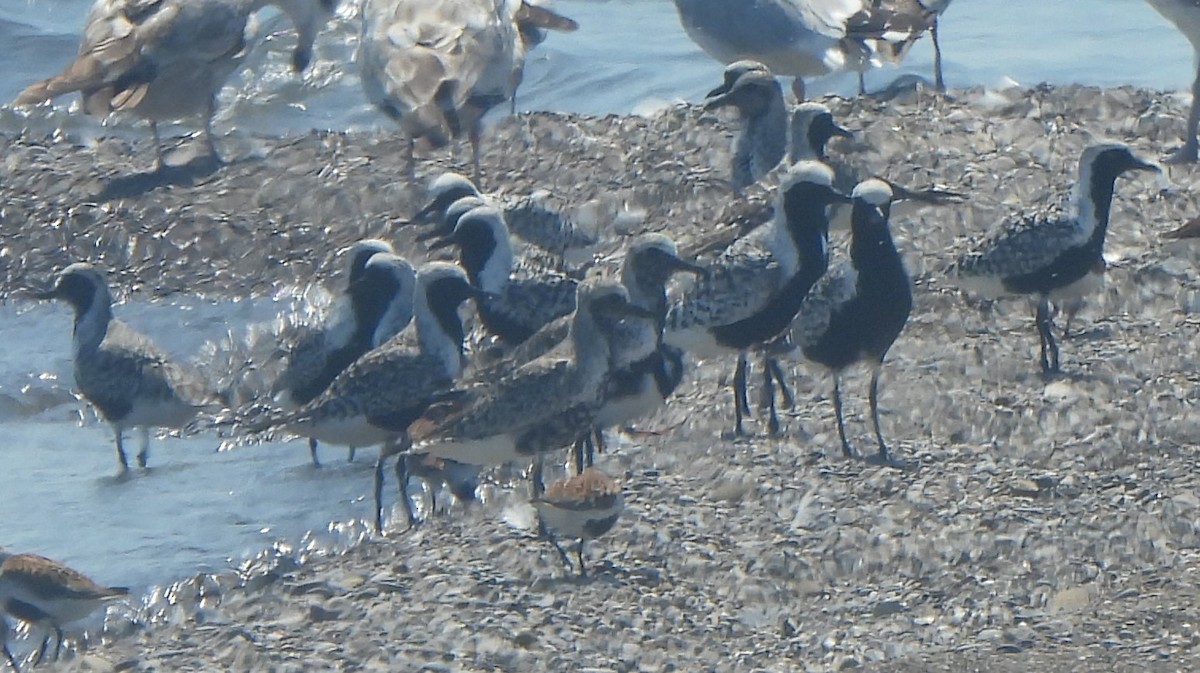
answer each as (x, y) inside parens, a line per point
(1046, 523)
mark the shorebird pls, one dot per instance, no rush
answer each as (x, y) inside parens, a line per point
(762, 139)
(372, 308)
(1185, 14)
(527, 217)
(584, 507)
(798, 38)
(856, 310)
(122, 373)
(543, 405)
(167, 59)
(437, 66)
(755, 287)
(518, 305)
(376, 398)
(1052, 256)
(47, 594)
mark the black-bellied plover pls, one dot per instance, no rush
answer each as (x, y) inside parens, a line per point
(372, 308)
(437, 66)
(1052, 256)
(376, 398)
(527, 218)
(761, 141)
(519, 305)
(582, 507)
(46, 594)
(1185, 14)
(543, 405)
(122, 373)
(644, 371)
(756, 286)
(857, 309)
(168, 60)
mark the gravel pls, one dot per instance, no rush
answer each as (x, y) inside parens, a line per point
(1049, 525)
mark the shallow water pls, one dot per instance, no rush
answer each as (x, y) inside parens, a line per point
(195, 508)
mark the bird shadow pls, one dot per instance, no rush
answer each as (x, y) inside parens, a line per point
(187, 174)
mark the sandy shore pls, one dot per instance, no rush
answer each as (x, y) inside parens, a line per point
(1048, 527)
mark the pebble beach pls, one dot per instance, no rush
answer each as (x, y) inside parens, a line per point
(1046, 525)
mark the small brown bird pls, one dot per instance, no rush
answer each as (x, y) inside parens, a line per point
(584, 506)
(47, 594)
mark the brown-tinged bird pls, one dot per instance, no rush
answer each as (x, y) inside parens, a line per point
(584, 506)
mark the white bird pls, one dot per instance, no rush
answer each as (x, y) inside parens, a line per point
(1051, 256)
(45, 593)
(1185, 14)
(797, 38)
(437, 66)
(167, 59)
(122, 373)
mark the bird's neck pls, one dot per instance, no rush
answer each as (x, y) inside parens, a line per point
(764, 141)
(440, 334)
(91, 326)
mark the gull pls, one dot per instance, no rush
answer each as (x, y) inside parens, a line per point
(755, 287)
(1052, 256)
(167, 59)
(122, 373)
(857, 309)
(519, 304)
(437, 66)
(45, 593)
(376, 398)
(797, 38)
(527, 217)
(1185, 14)
(372, 308)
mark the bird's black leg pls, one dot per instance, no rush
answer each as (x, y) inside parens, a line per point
(1045, 324)
(544, 533)
(769, 396)
(144, 452)
(312, 451)
(741, 403)
(58, 638)
(42, 650)
(601, 447)
(383, 453)
(350, 455)
(582, 567)
(539, 482)
(789, 400)
(402, 486)
(847, 450)
(938, 80)
(119, 436)
(581, 448)
(884, 457)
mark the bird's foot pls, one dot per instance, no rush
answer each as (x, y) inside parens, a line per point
(1188, 154)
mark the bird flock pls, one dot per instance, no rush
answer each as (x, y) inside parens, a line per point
(580, 349)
